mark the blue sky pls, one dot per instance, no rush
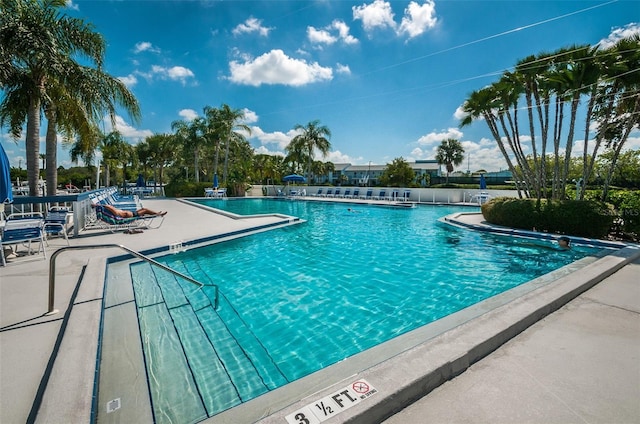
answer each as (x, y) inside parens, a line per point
(386, 77)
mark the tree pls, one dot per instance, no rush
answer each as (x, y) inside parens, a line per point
(40, 70)
(162, 148)
(228, 122)
(450, 153)
(398, 173)
(312, 136)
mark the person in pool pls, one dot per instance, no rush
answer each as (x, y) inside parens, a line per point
(564, 243)
(132, 214)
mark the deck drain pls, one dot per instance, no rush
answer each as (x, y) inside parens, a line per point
(113, 405)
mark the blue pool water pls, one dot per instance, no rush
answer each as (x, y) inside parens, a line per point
(297, 299)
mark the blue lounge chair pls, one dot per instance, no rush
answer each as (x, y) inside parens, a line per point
(336, 193)
(318, 193)
(23, 229)
(106, 220)
(329, 193)
(381, 195)
(347, 193)
(55, 223)
(355, 195)
(368, 195)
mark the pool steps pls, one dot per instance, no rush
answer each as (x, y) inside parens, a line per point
(226, 354)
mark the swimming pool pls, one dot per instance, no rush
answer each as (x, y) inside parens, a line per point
(298, 299)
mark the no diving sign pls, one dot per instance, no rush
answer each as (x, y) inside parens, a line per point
(329, 406)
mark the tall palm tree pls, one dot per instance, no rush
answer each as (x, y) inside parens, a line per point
(163, 152)
(229, 122)
(40, 70)
(312, 137)
(450, 153)
(192, 136)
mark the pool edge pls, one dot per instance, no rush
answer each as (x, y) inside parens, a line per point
(397, 381)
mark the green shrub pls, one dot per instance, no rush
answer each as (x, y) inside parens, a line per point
(628, 205)
(586, 218)
(185, 189)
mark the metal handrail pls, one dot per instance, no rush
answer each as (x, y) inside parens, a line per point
(52, 271)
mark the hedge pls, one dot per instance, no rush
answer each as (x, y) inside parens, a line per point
(583, 218)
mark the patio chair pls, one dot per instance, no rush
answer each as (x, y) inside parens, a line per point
(381, 195)
(329, 193)
(336, 193)
(55, 223)
(106, 220)
(395, 194)
(406, 195)
(347, 193)
(318, 193)
(355, 195)
(368, 195)
(23, 229)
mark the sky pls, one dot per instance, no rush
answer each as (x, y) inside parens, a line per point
(386, 77)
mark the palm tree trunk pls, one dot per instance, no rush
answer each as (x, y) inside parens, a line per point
(52, 151)
(32, 144)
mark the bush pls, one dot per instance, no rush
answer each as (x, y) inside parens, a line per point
(185, 189)
(586, 218)
(628, 205)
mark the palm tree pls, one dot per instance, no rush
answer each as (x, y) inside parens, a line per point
(163, 152)
(312, 136)
(450, 153)
(229, 121)
(38, 71)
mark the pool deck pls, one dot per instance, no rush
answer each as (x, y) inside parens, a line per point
(521, 362)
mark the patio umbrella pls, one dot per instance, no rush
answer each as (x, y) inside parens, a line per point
(6, 195)
(140, 181)
(215, 180)
(294, 178)
(483, 182)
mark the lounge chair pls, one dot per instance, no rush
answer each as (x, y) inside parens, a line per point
(23, 229)
(355, 195)
(394, 196)
(55, 223)
(406, 195)
(329, 193)
(318, 193)
(347, 193)
(368, 195)
(106, 220)
(336, 193)
(381, 195)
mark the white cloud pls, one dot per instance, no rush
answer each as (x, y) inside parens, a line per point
(320, 36)
(326, 34)
(130, 80)
(275, 67)
(343, 69)
(280, 139)
(262, 150)
(619, 33)
(251, 25)
(435, 138)
(188, 114)
(375, 15)
(250, 117)
(71, 5)
(145, 46)
(126, 130)
(338, 157)
(418, 18)
(175, 73)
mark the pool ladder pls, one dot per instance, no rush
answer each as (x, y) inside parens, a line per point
(52, 271)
